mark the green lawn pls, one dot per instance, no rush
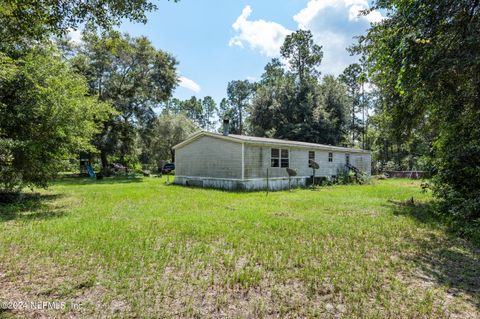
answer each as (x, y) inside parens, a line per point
(141, 248)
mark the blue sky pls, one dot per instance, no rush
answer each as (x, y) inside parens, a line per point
(219, 41)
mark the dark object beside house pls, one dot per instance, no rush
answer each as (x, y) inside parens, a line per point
(168, 168)
(318, 180)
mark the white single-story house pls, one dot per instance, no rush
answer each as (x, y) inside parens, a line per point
(238, 162)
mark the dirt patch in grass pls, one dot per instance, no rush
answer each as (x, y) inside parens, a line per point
(442, 261)
(48, 293)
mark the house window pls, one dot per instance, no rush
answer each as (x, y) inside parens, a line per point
(284, 160)
(330, 157)
(275, 156)
(311, 157)
(279, 157)
(347, 159)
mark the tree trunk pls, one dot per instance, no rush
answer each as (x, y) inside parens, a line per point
(385, 151)
(241, 120)
(104, 160)
(353, 123)
(363, 116)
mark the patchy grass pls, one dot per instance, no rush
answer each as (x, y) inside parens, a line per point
(140, 248)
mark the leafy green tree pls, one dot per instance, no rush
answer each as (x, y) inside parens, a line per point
(170, 130)
(335, 109)
(132, 75)
(291, 103)
(275, 114)
(366, 103)
(27, 22)
(303, 55)
(193, 109)
(302, 91)
(392, 147)
(271, 92)
(425, 56)
(239, 94)
(200, 111)
(45, 117)
(351, 76)
(227, 111)
(173, 105)
(274, 72)
(209, 110)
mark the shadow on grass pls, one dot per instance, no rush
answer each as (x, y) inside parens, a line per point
(30, 207)
(447, 260)
(81, 181)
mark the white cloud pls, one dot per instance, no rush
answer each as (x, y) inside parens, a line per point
(353, 7)
(335, 56)
(189, 84)
(264, 36)
(75, 36)
(334, 24)
(375, 16)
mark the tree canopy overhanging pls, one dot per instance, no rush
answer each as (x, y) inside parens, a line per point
(425, 60)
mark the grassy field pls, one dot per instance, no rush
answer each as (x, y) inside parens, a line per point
(141, 248)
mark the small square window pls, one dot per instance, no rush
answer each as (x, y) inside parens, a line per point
(275, 157)
(330, 157)
(279, 157)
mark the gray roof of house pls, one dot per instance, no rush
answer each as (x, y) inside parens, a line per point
(268, 141)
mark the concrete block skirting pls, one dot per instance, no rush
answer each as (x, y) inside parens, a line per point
(254, 184)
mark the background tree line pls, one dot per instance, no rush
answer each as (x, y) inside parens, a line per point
(291, 100)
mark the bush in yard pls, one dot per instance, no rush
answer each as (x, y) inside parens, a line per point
(344, 176)
(457, 181)
(347, 176)
(45, 117)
